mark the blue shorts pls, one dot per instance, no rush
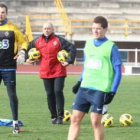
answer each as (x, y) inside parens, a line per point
(8, 77)
(87, 98)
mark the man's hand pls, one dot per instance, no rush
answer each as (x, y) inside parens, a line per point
(30, 61)
(76, 87)
(64, 63)
(109, 97)
(20, 57)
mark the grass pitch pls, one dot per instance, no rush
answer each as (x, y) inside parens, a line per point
(33, 111)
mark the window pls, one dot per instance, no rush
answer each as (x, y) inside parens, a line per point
(124, 56)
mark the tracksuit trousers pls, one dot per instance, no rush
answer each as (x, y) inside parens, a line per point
(55, 98)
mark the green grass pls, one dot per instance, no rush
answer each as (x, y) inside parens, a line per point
(33, 111)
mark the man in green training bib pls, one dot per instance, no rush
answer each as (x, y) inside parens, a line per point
(98, 82)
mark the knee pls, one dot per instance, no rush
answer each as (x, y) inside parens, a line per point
(96, 122)
(74, 119)
(11, 91)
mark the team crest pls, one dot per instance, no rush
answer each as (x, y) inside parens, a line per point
(54, 43)
(40, 43)
(6, 33)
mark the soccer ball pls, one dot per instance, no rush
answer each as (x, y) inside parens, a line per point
(67, 116)
(62, 55)
(126, 119)
(34, 54)
(107, 120)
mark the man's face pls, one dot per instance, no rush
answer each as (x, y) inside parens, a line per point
(3, 14)
(47, 29)
(98, 31)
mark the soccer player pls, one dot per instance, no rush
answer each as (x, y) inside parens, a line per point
(10, 38)
(53, 72)
(101, 77)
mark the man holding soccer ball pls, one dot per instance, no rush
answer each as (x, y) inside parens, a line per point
(99, 81)
(52, 71)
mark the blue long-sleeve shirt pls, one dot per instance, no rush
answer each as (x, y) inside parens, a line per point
(116, 63)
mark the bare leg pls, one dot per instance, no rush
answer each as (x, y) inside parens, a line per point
(97, 126)
(74, 129)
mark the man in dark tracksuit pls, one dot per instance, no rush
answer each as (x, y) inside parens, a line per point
(51, 70)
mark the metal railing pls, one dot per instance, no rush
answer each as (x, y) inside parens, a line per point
(69, 26)
(124, 25)
(28, 29)
(132, 60)
(64, 16)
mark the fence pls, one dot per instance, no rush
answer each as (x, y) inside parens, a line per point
(125, 27)
(77, 26)
(130, 59)
(128, 56)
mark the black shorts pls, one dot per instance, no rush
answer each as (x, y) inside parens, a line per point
(87, 98)
(8, 77)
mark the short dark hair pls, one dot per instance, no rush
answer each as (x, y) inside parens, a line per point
(3, 5)
(102, 20)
